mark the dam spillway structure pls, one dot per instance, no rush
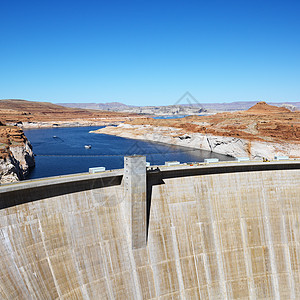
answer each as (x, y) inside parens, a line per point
(228, 230)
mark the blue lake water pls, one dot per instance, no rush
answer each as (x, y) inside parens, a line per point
(61, 151)
(171, 117)
(174, 116)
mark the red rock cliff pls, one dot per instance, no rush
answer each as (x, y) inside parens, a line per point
(16, 156)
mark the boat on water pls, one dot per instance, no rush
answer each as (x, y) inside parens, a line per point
(54, 136)
(87, 146)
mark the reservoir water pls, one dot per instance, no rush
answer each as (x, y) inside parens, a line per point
(61, 151)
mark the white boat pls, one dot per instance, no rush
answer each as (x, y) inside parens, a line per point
(87, 146)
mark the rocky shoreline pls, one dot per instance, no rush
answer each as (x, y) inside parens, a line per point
(16, 155)
(54, 124)
(232, 146)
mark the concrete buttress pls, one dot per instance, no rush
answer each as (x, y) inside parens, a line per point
(135, 195)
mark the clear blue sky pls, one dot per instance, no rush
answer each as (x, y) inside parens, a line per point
(150, 52)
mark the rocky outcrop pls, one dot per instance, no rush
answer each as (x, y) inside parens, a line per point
(9, 170)
(232, 146)
(16, 156)
(263, 131)
(262, 122)
(55, 124)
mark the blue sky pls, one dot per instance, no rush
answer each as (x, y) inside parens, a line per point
(150, 52)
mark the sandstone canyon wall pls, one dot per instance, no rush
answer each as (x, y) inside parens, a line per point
(16, 156)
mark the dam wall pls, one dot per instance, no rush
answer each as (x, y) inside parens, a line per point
(223, 231)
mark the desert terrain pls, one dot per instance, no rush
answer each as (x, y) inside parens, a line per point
(260, 122)
(10, 136)
(41, 114)
(16, 155)
(261, 131)
(188, 106)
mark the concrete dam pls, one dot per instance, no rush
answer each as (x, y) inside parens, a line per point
(207, 231)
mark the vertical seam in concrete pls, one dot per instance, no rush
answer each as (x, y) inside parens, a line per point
(206, 264)
(248, 261)
(247, 253)
(132, 261)
(135, 276)
(219, 260)
(108, 279)
(72, 253)
(288, 259)
(103, 247)
(196, 268)
(218, 247)
(49, 261)
(274, 275)
(177, 263)
(286, 246)
(155, 276)
(3, 292)
(29, 285)
(8, 244)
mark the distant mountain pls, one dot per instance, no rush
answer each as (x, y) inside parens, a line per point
(147, 110)
(113, 106)
(177, 109)
(26, 106)
(244, 105)
(16, 110)
(264, 108)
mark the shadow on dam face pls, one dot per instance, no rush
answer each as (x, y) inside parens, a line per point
(34, 192)
(212, 234)
(154, 177)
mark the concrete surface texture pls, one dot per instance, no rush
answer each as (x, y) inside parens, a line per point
(219, 236)
(135, 181)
